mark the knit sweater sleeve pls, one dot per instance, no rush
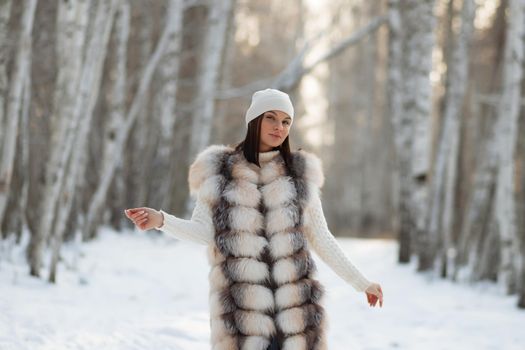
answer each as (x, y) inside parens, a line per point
(198, 229)
(326, 246)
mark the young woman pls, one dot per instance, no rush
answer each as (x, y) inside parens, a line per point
(258, 209)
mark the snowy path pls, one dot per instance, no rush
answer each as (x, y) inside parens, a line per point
(140, 291)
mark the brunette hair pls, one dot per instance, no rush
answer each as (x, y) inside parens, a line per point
(250, 145)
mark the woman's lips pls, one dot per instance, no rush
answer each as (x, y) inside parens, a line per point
(276, 136)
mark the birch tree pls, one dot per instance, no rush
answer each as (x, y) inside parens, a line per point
(116, 102)
(215, 39)
(5, 11)
(22, 66)
(401, 127)
(419, 21)
(410, 48)
(207, 82)
(71, 28)
(83, 112)
(117, 110)
(444, 173)
(521, 269)
(144, 127)
(489, 223)
(172, 26)
(165, 101)
(508, 113)
(24, 157)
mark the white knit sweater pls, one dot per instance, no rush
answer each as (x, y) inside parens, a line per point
(200, 229)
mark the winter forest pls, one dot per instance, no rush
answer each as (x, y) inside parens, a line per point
(414, 106)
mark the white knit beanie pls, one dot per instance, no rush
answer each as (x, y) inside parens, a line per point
(268, 100)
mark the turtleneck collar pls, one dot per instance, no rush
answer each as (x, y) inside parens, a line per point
(266, 156)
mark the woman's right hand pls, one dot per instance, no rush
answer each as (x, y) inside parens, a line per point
(373, 294)
(145, 218)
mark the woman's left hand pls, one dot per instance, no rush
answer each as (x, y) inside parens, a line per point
(373, 294)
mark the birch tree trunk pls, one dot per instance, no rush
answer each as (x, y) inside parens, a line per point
(144, 126)
(411, 44)
(445, 168)
(417, 102)
(226, 77)
(173, 24)
(5, 11)
(402, 128)
(218, 17)
(71, 32)
(486, 208)
(24, 157)
(521, 230)
(508, 113)
(22, 66)
(165, 102)
(208, 72)
(85, 103)
(15, 219)
(117, 111)
(117, 104)
(478, 208)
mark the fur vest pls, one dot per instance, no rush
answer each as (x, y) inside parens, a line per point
(263, 294)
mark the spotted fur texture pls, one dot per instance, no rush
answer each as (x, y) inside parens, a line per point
(263, 293)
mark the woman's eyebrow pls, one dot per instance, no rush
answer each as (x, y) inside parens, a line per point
(273, 113)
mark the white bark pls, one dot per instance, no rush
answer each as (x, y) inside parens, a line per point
(493, 99)
(395, 108)
(165, 102)
(22, 66)
(417, 102)
(226, 78)
(508, 113)
(24, 152)
(92, 69)
(117, 106)
(218, 18)
(119, 72)
(445, 168)
(71, 27)
(5, 11)
(495, 171)
(167, 72)
(521, 230)
(170, 30)
(410, 48)
(143, 127)
(477, 210)
(202, 116)
(71, 32)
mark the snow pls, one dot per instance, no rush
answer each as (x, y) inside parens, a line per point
(145, 290)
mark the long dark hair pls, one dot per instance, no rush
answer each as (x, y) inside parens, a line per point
(250, 145)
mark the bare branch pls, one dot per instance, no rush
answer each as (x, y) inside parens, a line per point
(295, 70)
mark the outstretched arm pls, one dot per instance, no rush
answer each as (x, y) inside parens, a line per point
(198, 229)
(327, 247)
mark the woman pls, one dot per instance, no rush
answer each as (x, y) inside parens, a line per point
(259, 211)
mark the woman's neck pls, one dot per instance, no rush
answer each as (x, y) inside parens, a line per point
(267, 155)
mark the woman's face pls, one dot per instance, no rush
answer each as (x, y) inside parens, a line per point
(275, 127)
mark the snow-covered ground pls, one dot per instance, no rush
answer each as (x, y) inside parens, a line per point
(139, 290)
